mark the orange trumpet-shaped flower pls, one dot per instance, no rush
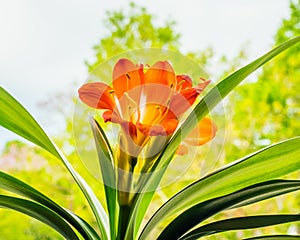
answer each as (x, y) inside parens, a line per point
(145, 101)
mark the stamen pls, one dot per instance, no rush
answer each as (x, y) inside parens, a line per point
(134, 104)
(130, 99)
(180, 85)
(182, 82)
(158, 116)
(171, 94)
(166, 111)
(118, 105)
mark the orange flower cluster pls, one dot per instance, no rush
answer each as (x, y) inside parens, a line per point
(147, 101)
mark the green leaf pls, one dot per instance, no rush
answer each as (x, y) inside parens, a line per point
(14, 185)
(105, 156)
(217, 93)
(198, 213)
(40, 213)
(16, 118)
(269, 163)
(275, 237)
(210, 100)
(240, 223)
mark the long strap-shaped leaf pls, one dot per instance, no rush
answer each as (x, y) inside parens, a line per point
(269, 163)
(275, 237)
(210, 100)
(39, 212)
(16, 118)
(105, 156)
(198, 213)
(240, 223)
(14, 185)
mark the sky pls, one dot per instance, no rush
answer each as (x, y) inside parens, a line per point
(43, 44)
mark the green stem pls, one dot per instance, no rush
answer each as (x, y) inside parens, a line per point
(124, 214)
(126, 165)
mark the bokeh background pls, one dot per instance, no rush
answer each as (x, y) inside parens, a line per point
(47, 49)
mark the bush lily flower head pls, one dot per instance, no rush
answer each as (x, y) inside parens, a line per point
(147, 101)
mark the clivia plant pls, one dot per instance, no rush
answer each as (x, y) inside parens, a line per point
(158, 114)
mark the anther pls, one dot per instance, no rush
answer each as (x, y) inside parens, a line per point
(127, 75)
(181, 82)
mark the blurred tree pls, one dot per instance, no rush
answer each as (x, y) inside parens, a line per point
(268, 109)
(133, 28)
(265, 111)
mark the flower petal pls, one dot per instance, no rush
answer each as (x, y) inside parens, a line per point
(202, 85)
(202, 134)
(128, 128)
(126, 76)
(153, 103)
(183, 82)
(155, 94)
(161, 73)
(107, 116)
(183, 100)
(113, 116)
(97, 95)
(165, 128)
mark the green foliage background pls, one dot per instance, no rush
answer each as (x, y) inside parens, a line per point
(257, 114)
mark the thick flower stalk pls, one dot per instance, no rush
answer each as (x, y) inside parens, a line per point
(147, 102)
